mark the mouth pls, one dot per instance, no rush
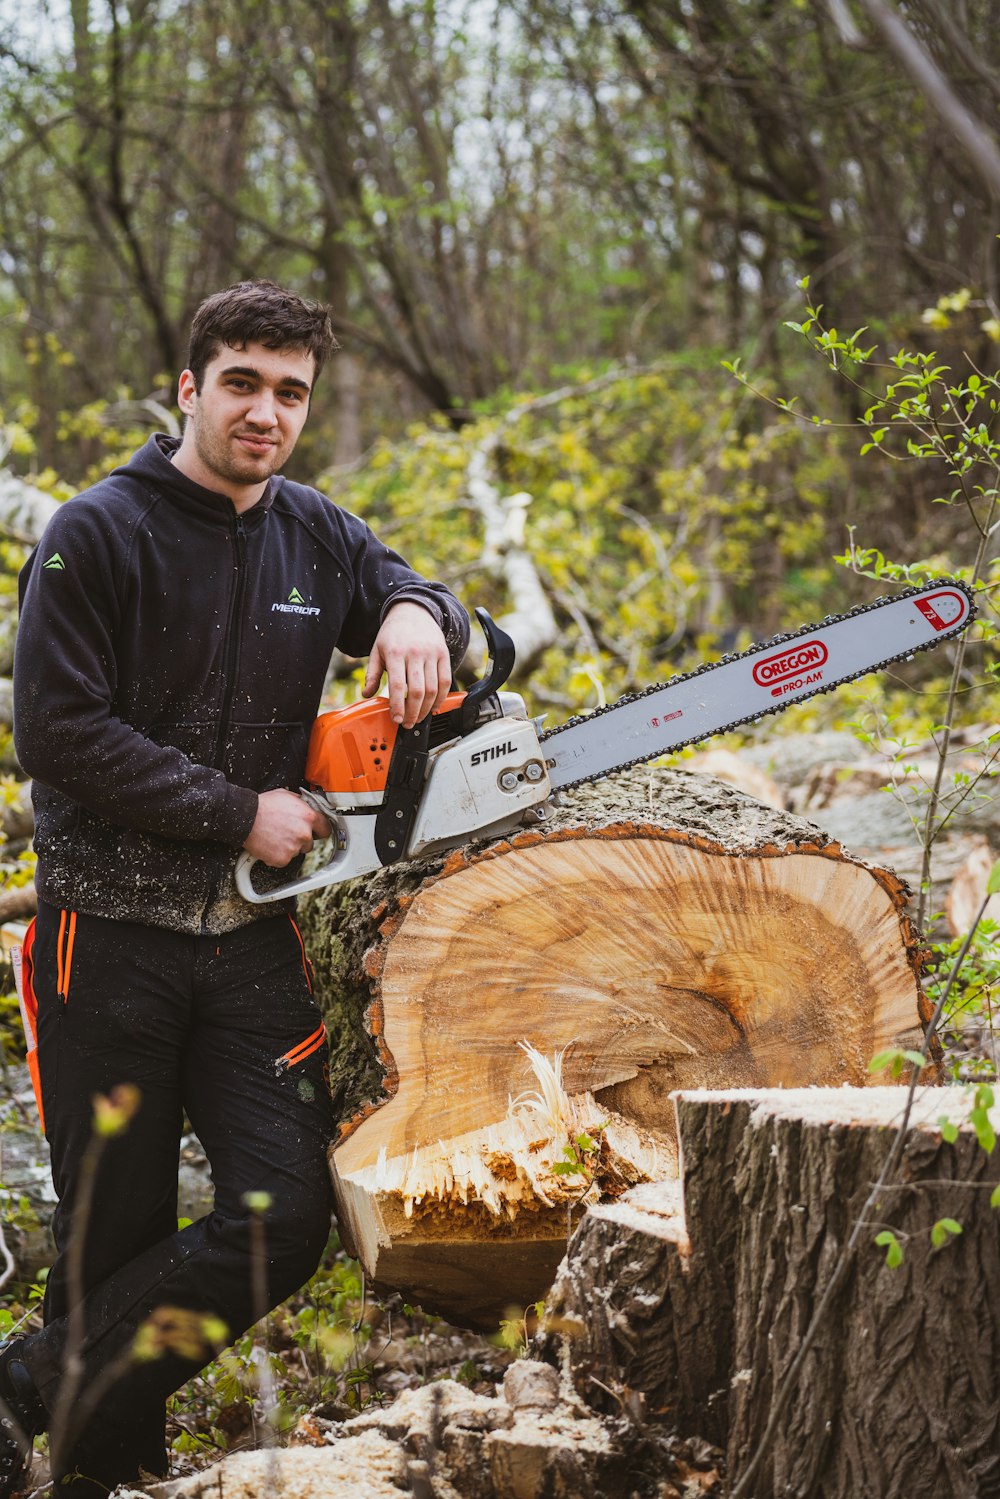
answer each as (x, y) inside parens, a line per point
(254, 444)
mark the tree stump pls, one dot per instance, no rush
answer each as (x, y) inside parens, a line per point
(699, 1299)
(663, 931)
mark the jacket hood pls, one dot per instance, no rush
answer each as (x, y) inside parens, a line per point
(152, 464)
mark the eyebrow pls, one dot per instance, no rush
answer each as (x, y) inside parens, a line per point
(254, 374)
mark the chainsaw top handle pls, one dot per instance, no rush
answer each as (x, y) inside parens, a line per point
(501, 663)
(408, 763)
(351, 748)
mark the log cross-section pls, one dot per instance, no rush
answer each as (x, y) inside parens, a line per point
(664, 931)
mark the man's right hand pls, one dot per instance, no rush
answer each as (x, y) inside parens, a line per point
(284, 827)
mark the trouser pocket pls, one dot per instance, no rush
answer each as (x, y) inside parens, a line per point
(297, 1054)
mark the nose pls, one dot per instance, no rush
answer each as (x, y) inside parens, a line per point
(260, 412)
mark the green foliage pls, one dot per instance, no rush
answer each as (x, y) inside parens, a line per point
(893, 1248)
(979, 1117)
(943, 1231)
(895, 1061)
(981, 1101)
(918, 412)
(580, 1155)
(517, 1330)
(973, 998)
(323, 1333)
(647, 489)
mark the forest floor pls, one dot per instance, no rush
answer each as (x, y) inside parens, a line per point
(333, 1352)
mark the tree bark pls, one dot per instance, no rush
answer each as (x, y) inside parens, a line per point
(700, 1300)
(662, 931)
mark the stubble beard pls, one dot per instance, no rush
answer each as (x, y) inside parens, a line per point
(217, 453)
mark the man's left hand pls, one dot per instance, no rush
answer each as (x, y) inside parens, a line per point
(410, 649)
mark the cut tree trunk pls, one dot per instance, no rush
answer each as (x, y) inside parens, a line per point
(696, 1296)
(664, 931)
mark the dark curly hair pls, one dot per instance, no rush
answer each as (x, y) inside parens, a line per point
(258, 312)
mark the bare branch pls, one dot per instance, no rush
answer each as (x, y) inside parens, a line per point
(979, 145)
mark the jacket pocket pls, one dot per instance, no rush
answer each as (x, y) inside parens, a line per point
(266, 756)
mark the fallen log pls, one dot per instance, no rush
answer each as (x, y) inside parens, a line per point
(695, 1297)
(663, 931)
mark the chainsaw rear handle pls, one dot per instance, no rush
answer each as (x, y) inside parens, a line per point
(364, 844)
(352, 852)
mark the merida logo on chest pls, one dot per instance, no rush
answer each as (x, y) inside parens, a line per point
(295, 604)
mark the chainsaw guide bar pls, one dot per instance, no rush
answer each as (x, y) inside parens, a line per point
(786, 669)
(479, 768)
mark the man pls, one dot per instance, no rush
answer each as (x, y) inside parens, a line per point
(177, 622)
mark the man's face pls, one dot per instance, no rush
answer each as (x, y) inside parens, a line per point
(244, 422)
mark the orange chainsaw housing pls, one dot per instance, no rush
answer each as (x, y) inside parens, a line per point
(350, 748)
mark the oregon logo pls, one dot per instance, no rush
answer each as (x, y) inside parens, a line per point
(788, 663)
(56, 563)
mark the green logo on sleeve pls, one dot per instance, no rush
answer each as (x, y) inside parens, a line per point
(56, 563)
(295, 597)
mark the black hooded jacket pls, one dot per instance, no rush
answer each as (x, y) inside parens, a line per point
(170, 660)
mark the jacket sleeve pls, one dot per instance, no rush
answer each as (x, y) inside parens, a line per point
(66, 733)
(381, 579)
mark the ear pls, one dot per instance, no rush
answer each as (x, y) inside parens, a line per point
(186, 392)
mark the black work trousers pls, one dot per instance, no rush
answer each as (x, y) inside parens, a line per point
(225, 1030)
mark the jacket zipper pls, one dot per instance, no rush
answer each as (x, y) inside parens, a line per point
(234, 634)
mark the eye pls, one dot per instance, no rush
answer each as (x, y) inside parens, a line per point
(294, 397)
(235, 383)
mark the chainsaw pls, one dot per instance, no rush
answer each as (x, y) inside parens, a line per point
(480, 767)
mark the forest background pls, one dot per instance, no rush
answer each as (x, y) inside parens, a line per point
(587, 262)
(590, 203)
(545, 228)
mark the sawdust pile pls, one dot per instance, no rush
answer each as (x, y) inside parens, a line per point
(442, 1441)
(368, 1464)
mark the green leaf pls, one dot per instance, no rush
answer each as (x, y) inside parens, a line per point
(993, 883)
(985, 1133)
(883, 1059)
(942, 1230)
(893, 1248)
(949, 1130)
(995, 1196)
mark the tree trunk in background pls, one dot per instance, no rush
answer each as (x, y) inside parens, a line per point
(345, 377)
(663, 931)
(699, 1298)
